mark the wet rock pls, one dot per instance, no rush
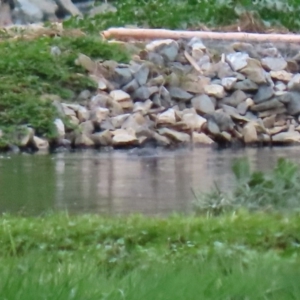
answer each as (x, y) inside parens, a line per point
(281, 75)
(160, 139)
(215, 90)
(237, 60)
(83, 140)
(249, 133)
(274, 63)
(203, 104)
(246, 85)
(235, 98)
(40, 144)
(267, 105)
(193, 121)
(287, 137)
(123, 137)
(175, 135)
(26, 136)
(201, 139)
(264, 93)
(103, 138)
(180, 94)
(167, 48)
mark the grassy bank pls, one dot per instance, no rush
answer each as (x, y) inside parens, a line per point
(237, 256)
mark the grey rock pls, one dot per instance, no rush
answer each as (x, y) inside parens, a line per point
(179, 94)
(156, 58)
(167, 48)
(264, 93)
(274, 63)
(293, 106)
(142, 93)
(223, 121)
(131, 86)
(246, 85)
(235, 98)
(203, 104)
(122, 76)
(141, 76)
(267, 105)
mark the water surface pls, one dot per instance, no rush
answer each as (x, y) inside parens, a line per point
(117, 183)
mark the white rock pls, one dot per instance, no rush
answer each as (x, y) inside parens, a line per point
(41, 144)
(215, 90)
(123, 137)
(201, 139)
(238, 60)
(167, 117)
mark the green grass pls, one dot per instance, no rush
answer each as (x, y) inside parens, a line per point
(237, 256)
(192, 13)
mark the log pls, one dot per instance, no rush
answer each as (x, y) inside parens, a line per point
(142, 34)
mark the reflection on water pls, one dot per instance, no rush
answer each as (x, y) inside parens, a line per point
(118, 183)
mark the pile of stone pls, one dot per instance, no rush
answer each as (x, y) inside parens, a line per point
(182, 93)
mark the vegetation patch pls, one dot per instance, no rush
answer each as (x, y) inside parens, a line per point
(41, 65)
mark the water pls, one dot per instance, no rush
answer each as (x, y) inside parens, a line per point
(118, 183)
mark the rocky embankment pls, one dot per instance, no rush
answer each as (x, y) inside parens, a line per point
(181, 93)
(175, 93)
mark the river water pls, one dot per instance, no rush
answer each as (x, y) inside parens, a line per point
(157, 182)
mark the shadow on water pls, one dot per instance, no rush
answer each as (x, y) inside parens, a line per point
(113, 183)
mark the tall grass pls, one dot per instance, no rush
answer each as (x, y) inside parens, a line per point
(208, 277)
(255, 190)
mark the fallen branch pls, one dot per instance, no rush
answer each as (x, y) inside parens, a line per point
(143, 34)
